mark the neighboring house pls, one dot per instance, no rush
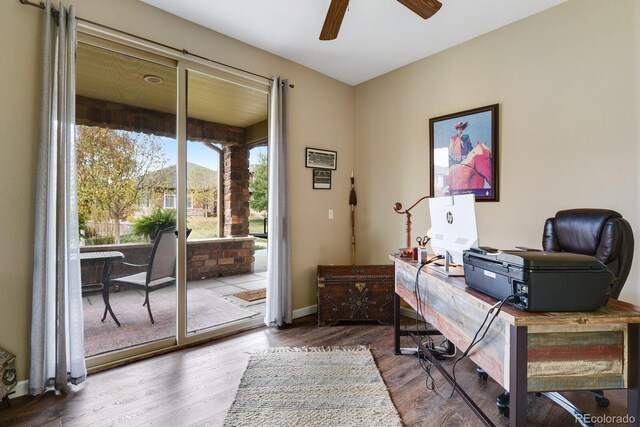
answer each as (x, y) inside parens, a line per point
(202, 191)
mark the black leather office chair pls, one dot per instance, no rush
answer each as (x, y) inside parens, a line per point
(600, 233)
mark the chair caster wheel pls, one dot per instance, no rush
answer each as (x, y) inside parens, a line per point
(502, 404)
(482, 374)
(504, 411)
(602, 402)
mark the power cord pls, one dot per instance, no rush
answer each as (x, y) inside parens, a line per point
(438, 351)
(497, 307)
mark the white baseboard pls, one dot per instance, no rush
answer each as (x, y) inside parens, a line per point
(21, 389)
(301, 312)
(313, 309)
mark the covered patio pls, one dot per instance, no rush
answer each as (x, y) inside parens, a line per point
(211, 303)
(224, 122)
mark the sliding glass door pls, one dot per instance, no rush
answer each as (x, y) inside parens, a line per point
(164, 144)
(226, 281)
(126, 151)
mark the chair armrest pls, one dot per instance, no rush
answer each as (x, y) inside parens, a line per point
(107, 273)
(133, 265)
(128, 264)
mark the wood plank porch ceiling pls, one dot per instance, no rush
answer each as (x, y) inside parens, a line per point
(115, 77)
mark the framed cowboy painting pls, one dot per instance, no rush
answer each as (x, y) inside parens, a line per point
(463, 153)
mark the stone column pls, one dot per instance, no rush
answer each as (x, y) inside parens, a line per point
(236, 191)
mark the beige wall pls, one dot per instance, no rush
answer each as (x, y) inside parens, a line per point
(567, 84)
(321, 116)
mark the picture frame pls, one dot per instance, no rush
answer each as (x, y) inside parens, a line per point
(465, 162)
(321, 159)
(321, 179)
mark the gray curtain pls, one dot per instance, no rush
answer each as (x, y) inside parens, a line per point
(57, 341)
(278, 310)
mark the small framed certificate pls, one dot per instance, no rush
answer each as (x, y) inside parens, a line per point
(321, 179)
(321, 159)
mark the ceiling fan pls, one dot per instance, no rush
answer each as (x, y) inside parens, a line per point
(423, 8)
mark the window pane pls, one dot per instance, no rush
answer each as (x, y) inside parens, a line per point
(126, 151)
(170, 200)
(224, 121)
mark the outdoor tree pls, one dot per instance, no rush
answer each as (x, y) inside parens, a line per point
(259, 185)
(202, 184)
(113, 172)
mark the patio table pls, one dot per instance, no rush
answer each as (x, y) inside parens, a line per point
(107, 258)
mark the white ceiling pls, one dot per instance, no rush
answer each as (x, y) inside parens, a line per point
(377, 36)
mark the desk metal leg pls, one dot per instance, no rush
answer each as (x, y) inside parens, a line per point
(633, 378)
(518, 376)
(396, 324)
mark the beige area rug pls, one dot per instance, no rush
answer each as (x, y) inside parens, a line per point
(312, 386)
(204, 309)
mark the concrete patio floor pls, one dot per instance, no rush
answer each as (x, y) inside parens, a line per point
(224, 287)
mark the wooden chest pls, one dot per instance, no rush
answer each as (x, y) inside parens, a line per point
(355, 293)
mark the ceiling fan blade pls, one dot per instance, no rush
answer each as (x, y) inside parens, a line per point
(332, 22)
(423, 8)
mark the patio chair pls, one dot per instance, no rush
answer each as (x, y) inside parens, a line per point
(160, 271)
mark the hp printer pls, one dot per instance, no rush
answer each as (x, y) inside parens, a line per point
(540, 281)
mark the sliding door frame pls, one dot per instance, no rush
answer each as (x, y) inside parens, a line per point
(144, 49)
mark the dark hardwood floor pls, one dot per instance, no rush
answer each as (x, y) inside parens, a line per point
(196, 386)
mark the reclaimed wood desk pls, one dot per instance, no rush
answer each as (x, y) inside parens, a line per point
(529, 352)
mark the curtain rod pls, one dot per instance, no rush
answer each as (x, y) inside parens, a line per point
(183, 51)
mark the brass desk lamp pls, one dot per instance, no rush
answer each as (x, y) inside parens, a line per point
(398, 208)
